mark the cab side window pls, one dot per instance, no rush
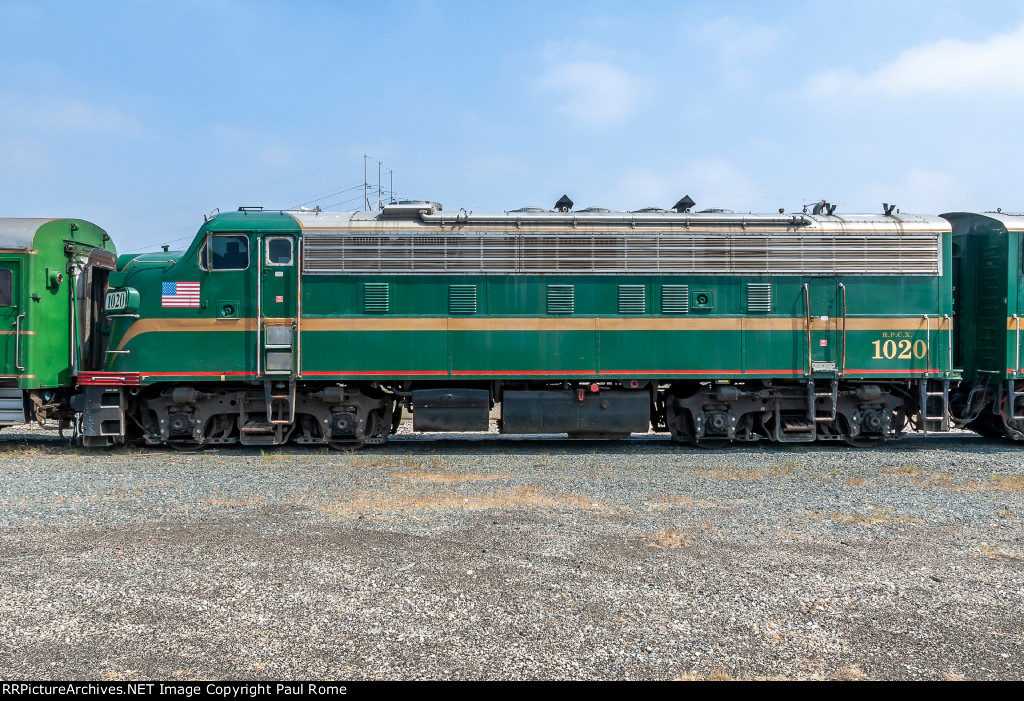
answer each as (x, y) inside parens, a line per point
(279, 251)
(228, 253)
(6, 288)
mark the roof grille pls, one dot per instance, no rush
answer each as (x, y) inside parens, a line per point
(502, 253)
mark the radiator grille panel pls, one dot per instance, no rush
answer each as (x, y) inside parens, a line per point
(462, 299)
(632, 299)
(675, 299)
(561, 299)
(501, 253)
(759, 297)
(376, 298)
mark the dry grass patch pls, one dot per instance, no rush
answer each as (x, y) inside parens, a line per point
(855, 481)
(792, 535)
(521, 497)
(667, 538)
(1009, 483)
(720, 675)
(876, 516)
(902, 470)
(735, 473)
(234, 501)
(394, 461)
(942, 480)
(446, 477)
(665, 501)
(996, 553)
(851, 673)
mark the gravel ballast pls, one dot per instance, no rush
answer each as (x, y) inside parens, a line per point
(438, 558)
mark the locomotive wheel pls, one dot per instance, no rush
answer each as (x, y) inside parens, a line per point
(186, 446)
(680, 425)
(352, 446)
(346, 447)
(862, 442)
(710, 443)
(856, 441)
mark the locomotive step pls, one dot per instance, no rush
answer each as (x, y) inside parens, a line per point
(795, 425)
(1016, 400)
(257, 426)
(934, 405)
(11, 407)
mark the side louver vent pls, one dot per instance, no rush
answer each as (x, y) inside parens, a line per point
(675, 299)
(376, 298)
(632, 299)
(561, 299)
(759, 297)
(462, 299)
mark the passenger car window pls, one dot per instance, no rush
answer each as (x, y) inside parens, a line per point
(229, 253)
(279, 251)
(6, 288)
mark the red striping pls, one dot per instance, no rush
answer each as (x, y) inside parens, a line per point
(524, 372)
(190, 373)
(132, 378)
(377, 372)
(109, 379)
(890, 371)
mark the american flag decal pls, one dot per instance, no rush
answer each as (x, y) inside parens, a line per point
(179, 294)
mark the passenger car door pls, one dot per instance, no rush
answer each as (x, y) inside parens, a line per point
(11, 318)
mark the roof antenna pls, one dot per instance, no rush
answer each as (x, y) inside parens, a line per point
(887, 208)
(684, 205)
(564, 204)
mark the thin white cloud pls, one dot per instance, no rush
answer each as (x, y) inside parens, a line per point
(944, 68)
(712, 182)
(47, 113)
(594, 93)
(741, 47)
(919, 190)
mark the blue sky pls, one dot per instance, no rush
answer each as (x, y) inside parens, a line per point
(141, 116)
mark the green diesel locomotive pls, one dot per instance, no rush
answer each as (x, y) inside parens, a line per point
(322, 328)
(53, 275)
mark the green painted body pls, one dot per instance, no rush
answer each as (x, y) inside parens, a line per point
(867, 327)
(35, 251)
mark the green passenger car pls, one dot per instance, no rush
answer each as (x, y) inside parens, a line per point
(324, 327)
(53, 273)
(988, 265)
